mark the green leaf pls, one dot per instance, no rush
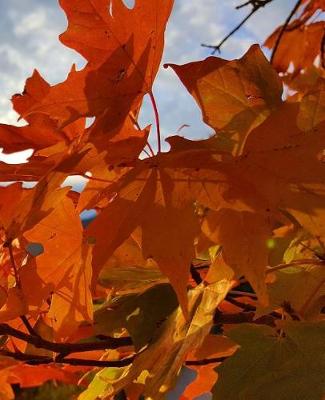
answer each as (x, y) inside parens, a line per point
(289, 365)
(141, 314)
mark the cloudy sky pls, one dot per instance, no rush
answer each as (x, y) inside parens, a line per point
(29, 32)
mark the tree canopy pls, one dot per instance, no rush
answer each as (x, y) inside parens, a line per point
(209, 256)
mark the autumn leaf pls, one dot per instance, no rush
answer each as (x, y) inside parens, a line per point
(312, 107)
(120, 71)
(234, 96)
(299, 45)
(243, 237)
(65, 265)
(147, 195)
(184, 243)
(156, 368)
(302, 287)
(140, 313)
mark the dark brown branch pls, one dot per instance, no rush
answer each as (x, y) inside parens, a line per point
(65, 348)
(32, 359)
(283, 29)
(245, 307)
(195, 275)
(28, 326)
(256, 5)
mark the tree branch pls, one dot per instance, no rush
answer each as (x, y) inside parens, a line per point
(32, 359)
(256, 5)
(195, 275)
(65, 348)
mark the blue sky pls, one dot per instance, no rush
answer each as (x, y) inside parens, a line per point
(29, 39)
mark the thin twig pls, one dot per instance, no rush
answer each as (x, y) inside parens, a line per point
(218, 46)
(256, 5)
(242, 293)
(294, 263)
(283, 29)
(243, 306)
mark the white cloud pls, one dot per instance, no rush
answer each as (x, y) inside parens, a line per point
(32, 22)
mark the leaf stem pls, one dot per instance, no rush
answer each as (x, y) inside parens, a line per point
(294, 263)
(156, 112)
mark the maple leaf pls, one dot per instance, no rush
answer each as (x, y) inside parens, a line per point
(312, 107)
(268, 366)
(234, 96)
(213, 347)
(119, 71)
(299, 45)
(302, 287)
(140, 313)
(243, 237)
(310, 7)
(261, 174)
(157, 367)
(156, 199)
(65, 265)
(303, 81)
(41, 131)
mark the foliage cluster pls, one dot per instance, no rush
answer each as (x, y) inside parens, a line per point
(209, 256)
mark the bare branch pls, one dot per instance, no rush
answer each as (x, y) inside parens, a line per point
(195, 275)
(256, 5)
(32, 359)
(65, 348)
